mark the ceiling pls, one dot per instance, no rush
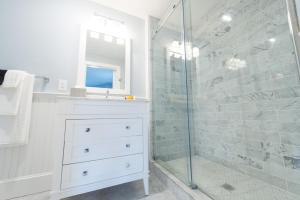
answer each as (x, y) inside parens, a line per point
(138, 8)
(159, 8)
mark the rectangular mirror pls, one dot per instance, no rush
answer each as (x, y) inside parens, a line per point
(104, 62)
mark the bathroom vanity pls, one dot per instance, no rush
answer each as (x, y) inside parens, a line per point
(101, 142)
(98, 144)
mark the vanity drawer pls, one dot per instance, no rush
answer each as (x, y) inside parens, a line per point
(82, 132)
(94, 171)
(103, 149)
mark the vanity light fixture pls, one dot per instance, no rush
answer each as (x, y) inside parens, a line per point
(177, 50)
(109, 26)
(226, 18)
(94, 35)
(108, 38)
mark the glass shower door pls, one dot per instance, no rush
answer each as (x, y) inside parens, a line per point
(169, 95)
(245, 86)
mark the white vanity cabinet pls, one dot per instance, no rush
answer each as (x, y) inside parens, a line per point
(98, 144)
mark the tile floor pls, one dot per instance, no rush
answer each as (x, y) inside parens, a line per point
(223, 183)
(129, 191)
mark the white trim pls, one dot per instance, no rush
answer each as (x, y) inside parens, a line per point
(147, 57)
(95, 186)
(37, 196)
(25, 185)
(81, 57)
(81, 72)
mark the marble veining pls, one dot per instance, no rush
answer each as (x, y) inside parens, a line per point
(243, 120)
(258, 104)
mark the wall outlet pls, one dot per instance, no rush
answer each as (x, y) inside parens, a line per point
(62, 85)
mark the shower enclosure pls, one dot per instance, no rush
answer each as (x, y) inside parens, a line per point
(226, 97)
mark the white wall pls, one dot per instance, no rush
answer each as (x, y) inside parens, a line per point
(42, 36)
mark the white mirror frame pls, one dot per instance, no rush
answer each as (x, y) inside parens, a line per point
(82, 64)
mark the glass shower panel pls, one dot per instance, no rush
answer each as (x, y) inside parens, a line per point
(169, 99)
(246, 104)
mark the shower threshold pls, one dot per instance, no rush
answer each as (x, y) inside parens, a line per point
(178, 188)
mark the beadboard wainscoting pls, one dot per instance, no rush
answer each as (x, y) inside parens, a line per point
(27, 169)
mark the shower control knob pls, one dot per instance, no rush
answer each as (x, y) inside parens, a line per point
(127, 145)
(87, 130)
(87, 150)
(127, 127)
(127, 165)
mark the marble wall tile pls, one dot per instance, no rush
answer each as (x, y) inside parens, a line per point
(293, 187)
(289, 116)
(248, 119)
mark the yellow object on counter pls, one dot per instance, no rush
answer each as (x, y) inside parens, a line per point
(129, 97)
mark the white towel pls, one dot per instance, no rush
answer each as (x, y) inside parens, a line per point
(13, 78)
(15, 123)
(11, 92)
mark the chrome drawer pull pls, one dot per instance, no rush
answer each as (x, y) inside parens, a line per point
(127, 127)
(85, 173)
(87, 150)
(127, 145)
(87, 130)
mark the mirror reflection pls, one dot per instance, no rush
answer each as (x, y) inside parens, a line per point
(104, 61)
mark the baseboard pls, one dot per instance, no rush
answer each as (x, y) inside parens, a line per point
(21, 187)
(39, 196)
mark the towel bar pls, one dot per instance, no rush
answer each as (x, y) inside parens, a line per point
(45, 78)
